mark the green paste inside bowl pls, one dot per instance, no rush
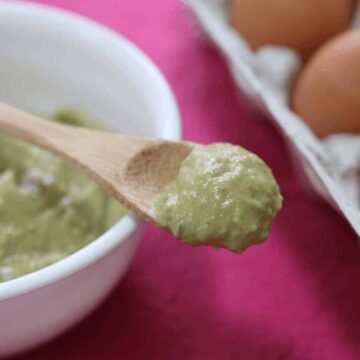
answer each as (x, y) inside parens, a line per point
(48, 210)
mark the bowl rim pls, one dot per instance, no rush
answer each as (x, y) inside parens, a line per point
(125, 227)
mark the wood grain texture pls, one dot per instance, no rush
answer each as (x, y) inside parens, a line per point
(132, 169)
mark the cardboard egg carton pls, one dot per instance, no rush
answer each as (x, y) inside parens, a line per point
(330, 167)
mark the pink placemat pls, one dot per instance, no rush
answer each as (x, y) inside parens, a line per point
(295, 297)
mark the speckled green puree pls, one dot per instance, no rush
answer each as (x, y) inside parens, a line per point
(48, 210)
(223, 196)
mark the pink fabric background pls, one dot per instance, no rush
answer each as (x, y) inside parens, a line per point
(295, 297)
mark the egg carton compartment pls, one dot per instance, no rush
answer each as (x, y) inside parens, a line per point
(330, 167)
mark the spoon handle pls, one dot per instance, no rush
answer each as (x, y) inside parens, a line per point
(131, 168)
(33, 129)
(68, 141)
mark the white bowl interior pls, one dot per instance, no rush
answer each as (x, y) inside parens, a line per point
(42, 70)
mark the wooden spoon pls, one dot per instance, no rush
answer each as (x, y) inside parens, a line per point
(134, 170)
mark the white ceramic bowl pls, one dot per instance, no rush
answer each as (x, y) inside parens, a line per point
(48, 59)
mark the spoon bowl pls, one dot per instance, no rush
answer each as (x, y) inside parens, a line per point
(150, 171)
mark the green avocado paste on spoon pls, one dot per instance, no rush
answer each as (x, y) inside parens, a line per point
(223, 195)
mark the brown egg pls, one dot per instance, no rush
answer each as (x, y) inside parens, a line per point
(327, 93)
(300, 24)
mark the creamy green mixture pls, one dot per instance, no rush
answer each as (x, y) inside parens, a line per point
(223, 196)
(48, 210)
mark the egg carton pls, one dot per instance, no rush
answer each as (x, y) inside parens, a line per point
(330, 167)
